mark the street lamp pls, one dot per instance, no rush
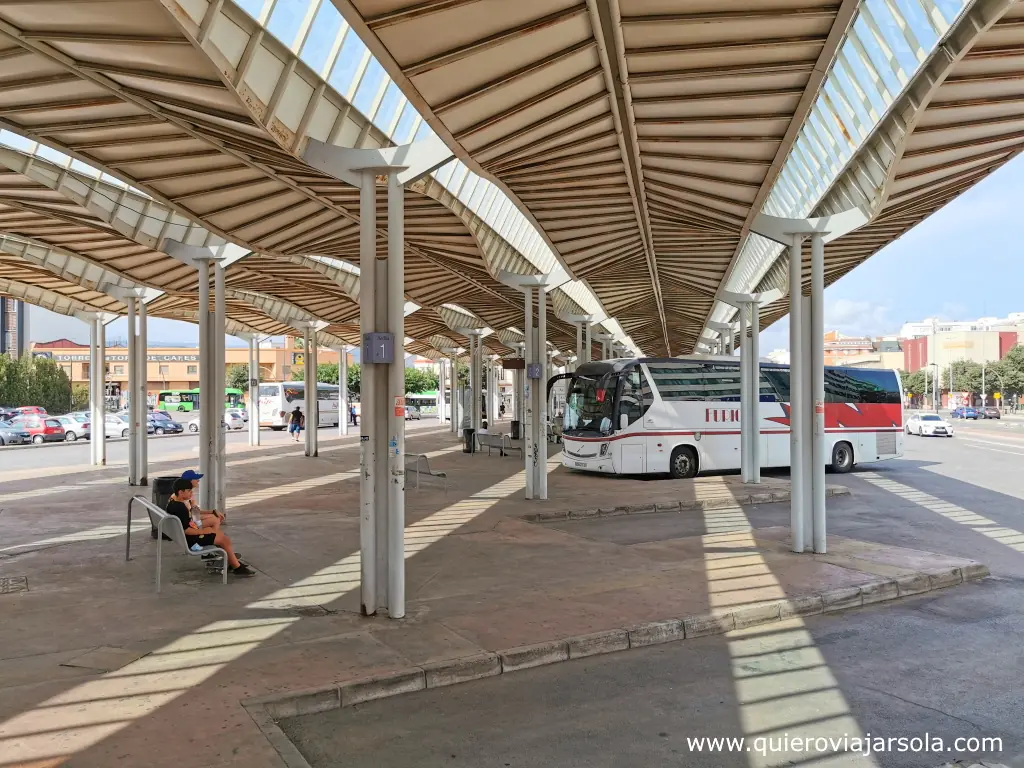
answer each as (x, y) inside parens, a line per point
(935, 386)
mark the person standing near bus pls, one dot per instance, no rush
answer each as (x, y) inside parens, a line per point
(352, 414)
(295, 423)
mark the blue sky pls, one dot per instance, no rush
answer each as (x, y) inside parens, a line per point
(961, 263)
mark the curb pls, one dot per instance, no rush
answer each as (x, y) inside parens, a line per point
(722, 502)
(267, 710)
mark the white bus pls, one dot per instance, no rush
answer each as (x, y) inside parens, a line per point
(279, 398)
(681, 416)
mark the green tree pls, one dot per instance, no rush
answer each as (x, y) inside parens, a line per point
(79, 397)
(237, 377)
(327, 373)
(1007, 374)
(966, 377)
(35, 381)
(417, 381)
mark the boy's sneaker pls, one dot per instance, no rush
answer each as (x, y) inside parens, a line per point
(243, 570)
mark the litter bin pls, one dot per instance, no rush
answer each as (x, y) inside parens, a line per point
(162, 490)
(469, 441)
(515, 431)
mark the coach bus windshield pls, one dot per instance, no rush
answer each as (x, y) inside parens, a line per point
(588, 406)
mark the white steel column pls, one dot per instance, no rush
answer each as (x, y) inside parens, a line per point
(453, 387)
(309, 379)
(817, 356)
(396, 380)
(588, 346)
(579, 340)
(142, 356)
(796, 396)
(530, 414)
(219, 375)
(343, 407)
(745, 418)
(133, 386)
(440, 389)
(807, 379)
(540, 461)
(368, 400)
(207, 427)
(254, 390)
(476, 375)
(806, 422)
(97, 392)
(755, 392)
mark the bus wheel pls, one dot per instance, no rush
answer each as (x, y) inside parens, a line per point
(683, 464)
(181, 408)
(842, 458)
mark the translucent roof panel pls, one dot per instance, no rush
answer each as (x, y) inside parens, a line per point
(322, 39)
(886, 46)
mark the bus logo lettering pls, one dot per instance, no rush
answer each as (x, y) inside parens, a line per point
(731, 415)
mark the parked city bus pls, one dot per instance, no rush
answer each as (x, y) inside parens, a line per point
(188, 399)
(681, 416)
(424, 402)
(278, 399)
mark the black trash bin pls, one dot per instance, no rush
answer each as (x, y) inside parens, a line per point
(469, 441)
(162, 487)
(515, 430)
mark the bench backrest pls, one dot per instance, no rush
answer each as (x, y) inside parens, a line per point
(172, 526)
(497, 440)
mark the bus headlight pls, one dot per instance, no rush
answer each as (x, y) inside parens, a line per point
(604, 449)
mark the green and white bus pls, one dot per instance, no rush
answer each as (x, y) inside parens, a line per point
(424, 402)
(188, 399)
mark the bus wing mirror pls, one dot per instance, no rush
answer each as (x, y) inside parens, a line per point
(623, 420)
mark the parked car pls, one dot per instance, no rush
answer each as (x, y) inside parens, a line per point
(928, 424)
(6, 414)
(74, 428)
(42, 428)
(989, 412)
(12, 434)
(964, 412)
(119, 423)
(412, 412)
(230, 421)
(242, 413)
(165, 425)
(30, 410)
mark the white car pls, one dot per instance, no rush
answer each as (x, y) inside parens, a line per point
(117, 425)
(242, 413)
(230, 420)
(929, 424)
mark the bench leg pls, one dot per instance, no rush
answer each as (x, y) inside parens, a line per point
(159, 553)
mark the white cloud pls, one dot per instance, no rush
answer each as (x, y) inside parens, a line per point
(858, 318)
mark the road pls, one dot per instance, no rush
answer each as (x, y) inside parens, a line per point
(161, 447)
(947, 664)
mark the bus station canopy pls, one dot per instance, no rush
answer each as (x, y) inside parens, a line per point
(630, 144)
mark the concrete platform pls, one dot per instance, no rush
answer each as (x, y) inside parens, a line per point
(95, 665)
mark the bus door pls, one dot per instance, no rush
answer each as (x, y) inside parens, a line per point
(632, 446)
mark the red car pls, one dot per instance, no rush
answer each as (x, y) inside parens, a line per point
(42, 429)
(30, 410)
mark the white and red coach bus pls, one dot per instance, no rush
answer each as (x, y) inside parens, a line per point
(681, 416)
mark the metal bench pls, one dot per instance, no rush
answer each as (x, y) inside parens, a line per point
(171, 526)
(500, 441)
(420, 464)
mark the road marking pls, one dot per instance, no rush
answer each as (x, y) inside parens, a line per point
(984, 447)
(1010, 537)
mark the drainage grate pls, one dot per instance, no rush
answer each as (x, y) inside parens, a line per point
(9, 584)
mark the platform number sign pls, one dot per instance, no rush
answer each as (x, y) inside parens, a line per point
(378, 347)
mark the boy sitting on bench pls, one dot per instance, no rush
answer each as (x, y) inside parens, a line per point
(196, 531)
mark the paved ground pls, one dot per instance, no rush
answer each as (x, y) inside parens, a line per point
(104, 680)
(939, 664)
